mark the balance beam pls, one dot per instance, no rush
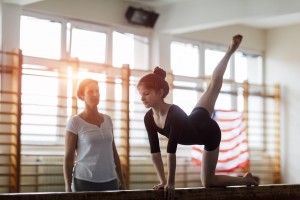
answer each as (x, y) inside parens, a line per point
(264, 192)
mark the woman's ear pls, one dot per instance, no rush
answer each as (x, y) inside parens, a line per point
(161, 93)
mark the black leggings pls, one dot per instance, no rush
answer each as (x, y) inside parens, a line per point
(208, 129)
(81, 185)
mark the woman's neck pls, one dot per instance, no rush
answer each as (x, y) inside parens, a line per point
(161, 109)
(90, 110)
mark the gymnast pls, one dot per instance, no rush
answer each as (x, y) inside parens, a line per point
(197, 128)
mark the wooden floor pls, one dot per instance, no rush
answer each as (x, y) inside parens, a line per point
(264, 192)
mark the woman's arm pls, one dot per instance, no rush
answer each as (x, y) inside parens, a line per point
(118, 168)
(169, 188)
(159, 167)
(70, 147)
(171, 168)
(155, 150)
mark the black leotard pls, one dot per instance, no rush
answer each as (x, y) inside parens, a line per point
(197, 128)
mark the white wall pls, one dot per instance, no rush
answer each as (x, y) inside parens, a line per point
(283, 66)
(10, 26)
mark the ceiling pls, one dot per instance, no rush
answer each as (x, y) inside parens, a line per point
(261, 22)
(21, 2)
(156, 3)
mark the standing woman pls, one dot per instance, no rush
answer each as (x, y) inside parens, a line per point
(90, 141)
(180, 128)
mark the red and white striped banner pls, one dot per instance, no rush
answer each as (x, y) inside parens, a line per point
(234, 154)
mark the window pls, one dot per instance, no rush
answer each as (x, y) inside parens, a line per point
(248, 67)
(44, 41)
(88, 45)
(196, 60)
(212, 58)
(186, 98)
(130, 49)
(184, 59)
(39, 104)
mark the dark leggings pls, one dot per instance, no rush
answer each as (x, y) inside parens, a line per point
(209, 130)
(81, 185)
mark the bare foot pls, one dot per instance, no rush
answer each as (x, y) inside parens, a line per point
(250, 179)
(236, 41)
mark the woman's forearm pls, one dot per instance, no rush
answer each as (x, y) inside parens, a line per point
(119, 170)
(68, 167)
(118, 167)
(171, 168)
(159, 167)
(70, 147)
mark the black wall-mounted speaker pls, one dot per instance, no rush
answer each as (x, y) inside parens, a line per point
(141, 17)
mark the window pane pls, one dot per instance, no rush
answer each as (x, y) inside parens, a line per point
(40, 38)
(255, 69)
(240, 70)
(130, 49)
(88, 45)
(186, 99)
(39, 105)
(212, 58)
(223, 102)
(253, 66)
(256, 120)
(184, 59)
(248, 67)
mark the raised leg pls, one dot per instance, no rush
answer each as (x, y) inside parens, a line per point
(208, 100)
(209, 97)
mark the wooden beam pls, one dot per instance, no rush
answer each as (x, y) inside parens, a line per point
(265, 192)
(126, 124)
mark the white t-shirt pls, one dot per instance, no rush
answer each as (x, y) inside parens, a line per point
(95, 159)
